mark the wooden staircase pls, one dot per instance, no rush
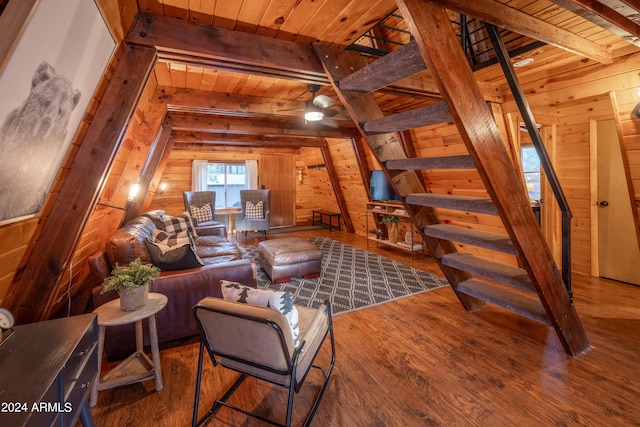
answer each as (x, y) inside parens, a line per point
(535, 288)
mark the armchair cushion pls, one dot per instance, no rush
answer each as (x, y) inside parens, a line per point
(254, 211)
(278, 301)
(202, 214)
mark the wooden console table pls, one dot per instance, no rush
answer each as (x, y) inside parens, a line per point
(137, 367)
(46, 372)
(322, 213)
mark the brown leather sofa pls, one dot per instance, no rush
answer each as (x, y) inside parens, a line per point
(183, 288)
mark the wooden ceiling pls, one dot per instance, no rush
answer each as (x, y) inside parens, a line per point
(575, 33)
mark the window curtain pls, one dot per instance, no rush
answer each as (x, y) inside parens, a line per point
(251, 171)
(199, 171)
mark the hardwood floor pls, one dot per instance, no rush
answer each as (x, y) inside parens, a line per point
(422, 360)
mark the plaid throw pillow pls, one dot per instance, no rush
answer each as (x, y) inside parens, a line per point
(254, 211)
(176, 224)
(166, 241)
(202, 214)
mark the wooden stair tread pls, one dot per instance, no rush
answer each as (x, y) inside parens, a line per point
(446, 201)
(513, 276)
(483, 239)
(463, 161)
(393, 67)
(424, 116)
(517, 302)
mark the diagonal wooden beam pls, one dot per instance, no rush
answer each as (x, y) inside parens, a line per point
(337, 189)
(606, 17)
(512, 19)
(160, 149)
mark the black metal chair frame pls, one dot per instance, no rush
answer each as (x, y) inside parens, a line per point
(291, 371)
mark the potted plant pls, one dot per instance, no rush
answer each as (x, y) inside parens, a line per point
(393, 232)
(132, 283)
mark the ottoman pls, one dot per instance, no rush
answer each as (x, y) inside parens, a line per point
(284, 258)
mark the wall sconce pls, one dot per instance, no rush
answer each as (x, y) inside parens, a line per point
(161, 188)
(131, 197)
(300, 176)
(636, 111)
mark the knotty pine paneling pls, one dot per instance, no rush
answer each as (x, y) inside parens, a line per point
(353, 190)
(305, 194)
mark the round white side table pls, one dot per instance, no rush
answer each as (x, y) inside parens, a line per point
(137, 367)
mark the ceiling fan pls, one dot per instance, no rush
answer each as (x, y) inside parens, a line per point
(317, 108)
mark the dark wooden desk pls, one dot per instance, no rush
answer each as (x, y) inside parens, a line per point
(322, 213)
(46, 372)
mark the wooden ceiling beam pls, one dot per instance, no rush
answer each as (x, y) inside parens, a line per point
(181, 138)
(514, 20)
(222, 48)
(235, 125)
(617, 21)
(185, 42)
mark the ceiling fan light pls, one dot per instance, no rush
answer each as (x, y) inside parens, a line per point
(312, 113)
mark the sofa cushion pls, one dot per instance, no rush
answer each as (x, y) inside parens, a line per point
(201, 214)
(278, 301)
(216, 246)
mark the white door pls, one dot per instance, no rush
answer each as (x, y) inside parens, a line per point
(618, 253)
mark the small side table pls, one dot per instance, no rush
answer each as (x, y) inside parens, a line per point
(137, 367)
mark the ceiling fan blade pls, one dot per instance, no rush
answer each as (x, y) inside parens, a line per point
(329, 122)
(323, 101)
(329, 112)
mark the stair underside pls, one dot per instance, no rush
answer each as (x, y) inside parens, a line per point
(460, 203)
(463, 161)
(513, 276)
(483, 239)
(425, 116)
(527, 306)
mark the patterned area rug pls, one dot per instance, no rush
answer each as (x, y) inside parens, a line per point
(351, 278)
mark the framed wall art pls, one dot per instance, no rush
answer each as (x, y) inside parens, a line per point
(46, 84)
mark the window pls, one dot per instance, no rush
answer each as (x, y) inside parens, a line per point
(226, 179)
(531, 169)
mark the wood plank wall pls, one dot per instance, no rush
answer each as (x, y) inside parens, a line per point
(574, 96)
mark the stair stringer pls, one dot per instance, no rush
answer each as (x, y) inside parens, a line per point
(432, 30)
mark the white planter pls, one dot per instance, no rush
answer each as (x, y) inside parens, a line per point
(134, 300)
